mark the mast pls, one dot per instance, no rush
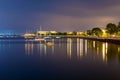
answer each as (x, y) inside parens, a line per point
(40, 28)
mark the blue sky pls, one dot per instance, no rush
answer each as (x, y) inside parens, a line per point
(60, 15)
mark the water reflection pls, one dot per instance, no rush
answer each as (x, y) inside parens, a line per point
(4, 45)
(86, 47)
(53, 46)
(45, 49)
(77, 49)
(80, 49)
(40, 47)
(69, 47)
(29, 48)
(104, 51)
(71, 56)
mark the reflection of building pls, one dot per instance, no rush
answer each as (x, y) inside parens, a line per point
(29, 48)
(86, 47)
(41, 48)
(69, 47)
(99, 50)
(104, 51)
(80, 47)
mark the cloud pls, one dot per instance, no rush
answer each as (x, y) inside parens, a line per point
(60, 15)
(71, 23)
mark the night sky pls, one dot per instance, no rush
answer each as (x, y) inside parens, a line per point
(60, 15)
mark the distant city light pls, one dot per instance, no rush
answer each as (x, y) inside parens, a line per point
(7, 32)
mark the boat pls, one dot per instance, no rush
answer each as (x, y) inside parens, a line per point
(49, 43)
(39, 39)
(47, 37)
(58, 37)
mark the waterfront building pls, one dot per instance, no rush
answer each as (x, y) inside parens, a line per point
(29, 35)
(46, 32)
(80, 33)
(69, 33)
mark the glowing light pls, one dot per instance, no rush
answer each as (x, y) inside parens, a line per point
(86, 46)
(29, 48)
(46, 32)
(69, 33)
(94, 44)
(118, 49)
(45, 48)
(104, 51)
(106, 47)
(7, 32)
(29, 35)
(53, 49)
(69, 47)
(40, 47)
(113, 35)
(81, 47)
(104, 33)
(97, 50)
(53, 46)
(32, 46)
(78, 47)
(53, 32)
(80, 33)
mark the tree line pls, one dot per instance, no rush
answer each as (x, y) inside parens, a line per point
(111, 29)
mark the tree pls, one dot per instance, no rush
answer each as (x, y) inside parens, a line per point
(97, 31)
(89, 32)
(118, 27)
(61, 33)
(74, 33)
(111, 28)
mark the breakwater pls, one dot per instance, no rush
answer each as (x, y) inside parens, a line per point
(115, 40)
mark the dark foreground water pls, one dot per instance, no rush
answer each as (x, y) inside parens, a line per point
(67, 59)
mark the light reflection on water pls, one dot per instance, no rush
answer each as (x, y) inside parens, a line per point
(40, 47)
(69, 47)
(82, 48)
(67, 57)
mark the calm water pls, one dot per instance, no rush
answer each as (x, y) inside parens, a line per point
(67, 59)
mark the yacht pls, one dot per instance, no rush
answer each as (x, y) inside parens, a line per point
(39, 39)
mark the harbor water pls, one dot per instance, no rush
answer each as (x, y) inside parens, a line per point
(66, 59)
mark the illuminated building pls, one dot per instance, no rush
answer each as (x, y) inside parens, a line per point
(29, 35)
(53, 32)
(80, 33)
(69, 33)
(46, 32)
(42, 32)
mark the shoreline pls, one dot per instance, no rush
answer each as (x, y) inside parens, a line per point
(115, 40)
